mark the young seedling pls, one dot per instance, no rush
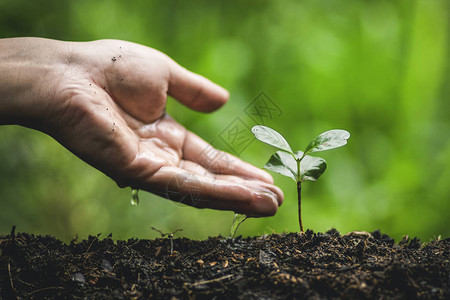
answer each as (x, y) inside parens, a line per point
(299, 165)
(169, 235)
(238, 219)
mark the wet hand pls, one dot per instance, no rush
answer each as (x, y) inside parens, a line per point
(107, 103)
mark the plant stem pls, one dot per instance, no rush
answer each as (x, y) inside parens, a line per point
(299, 194)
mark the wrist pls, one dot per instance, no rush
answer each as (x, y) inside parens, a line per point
(29, 72)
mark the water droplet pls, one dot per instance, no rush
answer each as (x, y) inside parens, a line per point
(134, 197)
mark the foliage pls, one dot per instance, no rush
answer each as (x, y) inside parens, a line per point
(377, 68)
(289, 164)
(237, 220)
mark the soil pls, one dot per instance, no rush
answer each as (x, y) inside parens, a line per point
(327, 265)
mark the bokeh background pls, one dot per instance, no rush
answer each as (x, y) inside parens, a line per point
(379, 69)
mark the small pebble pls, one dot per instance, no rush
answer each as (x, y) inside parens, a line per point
(106, 265)
(78, 278)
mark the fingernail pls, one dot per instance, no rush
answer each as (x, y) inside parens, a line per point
(270, 194)
(263, 206)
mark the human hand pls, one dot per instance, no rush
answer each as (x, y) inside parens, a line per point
(105, 102)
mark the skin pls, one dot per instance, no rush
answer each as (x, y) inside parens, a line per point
(105, 102)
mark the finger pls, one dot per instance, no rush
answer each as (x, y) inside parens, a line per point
(257, 184)
(195, 91)
(205, 192)
(197, 150)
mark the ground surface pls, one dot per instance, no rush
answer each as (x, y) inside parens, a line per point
(309, 265)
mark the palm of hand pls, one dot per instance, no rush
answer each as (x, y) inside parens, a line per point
(113, 117)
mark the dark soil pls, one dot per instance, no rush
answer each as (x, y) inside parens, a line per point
(310, 265)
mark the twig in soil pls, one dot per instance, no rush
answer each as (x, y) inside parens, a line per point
(90, 245)
(10, 278)
(24, 282)
(45, 289)
(13, 231)
(346, 268)
(358, 233)
(210, 281)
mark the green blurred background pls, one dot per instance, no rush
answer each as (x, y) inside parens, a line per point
(379, 69)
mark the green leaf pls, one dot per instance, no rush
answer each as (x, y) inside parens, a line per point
(311, 167)
(269, 136)
(283, 163)
(238, 220)
(328, 140)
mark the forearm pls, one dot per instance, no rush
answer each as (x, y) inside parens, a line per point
(28, 71)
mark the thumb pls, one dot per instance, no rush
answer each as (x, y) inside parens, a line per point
(195, 91)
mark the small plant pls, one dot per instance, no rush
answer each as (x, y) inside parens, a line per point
(299, 166)
(169, 235)
(238, 219)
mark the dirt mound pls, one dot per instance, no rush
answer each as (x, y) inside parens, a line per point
(310, 265)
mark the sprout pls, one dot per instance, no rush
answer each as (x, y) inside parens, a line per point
(238, 219)
(299, 166)
(168, 234)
